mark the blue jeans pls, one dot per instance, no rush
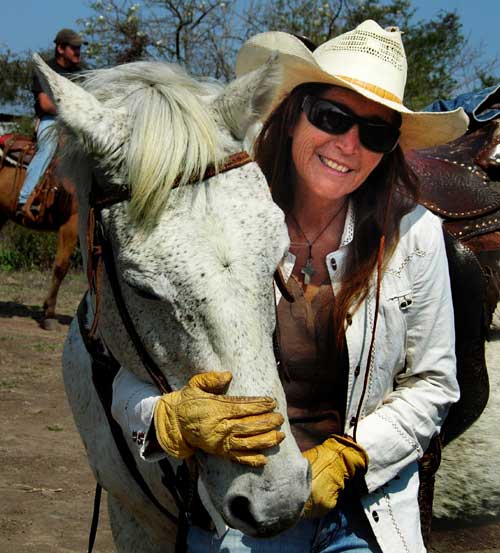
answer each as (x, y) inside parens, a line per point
(46, 148)
(346, 528)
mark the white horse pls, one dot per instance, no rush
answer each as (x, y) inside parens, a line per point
(468, 482)
(195, 265)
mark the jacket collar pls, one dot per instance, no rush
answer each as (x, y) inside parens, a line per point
(335, 259)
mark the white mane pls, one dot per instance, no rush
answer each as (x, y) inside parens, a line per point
(173, 132)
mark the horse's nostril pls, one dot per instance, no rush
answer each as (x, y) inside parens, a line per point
(240, 509)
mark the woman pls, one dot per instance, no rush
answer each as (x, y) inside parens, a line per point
(368, 271)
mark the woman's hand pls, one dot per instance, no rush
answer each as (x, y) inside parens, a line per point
(333, 462)
(196, 416)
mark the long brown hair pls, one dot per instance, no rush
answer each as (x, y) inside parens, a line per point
(389, 192)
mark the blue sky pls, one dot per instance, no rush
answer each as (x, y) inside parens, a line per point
(32, 24)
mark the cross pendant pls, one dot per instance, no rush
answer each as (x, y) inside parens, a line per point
(308, 271)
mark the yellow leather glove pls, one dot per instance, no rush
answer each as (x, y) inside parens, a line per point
(333, 462)
(237, 428)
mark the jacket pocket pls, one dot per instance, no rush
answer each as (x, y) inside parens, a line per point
(394, 309)
(403, 299)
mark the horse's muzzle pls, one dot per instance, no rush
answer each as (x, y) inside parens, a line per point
(263, 508)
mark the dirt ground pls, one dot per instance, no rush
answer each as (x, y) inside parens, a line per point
(46, 487)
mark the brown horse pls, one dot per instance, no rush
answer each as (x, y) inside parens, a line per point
(55, 198)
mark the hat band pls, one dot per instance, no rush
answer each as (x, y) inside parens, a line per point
(373, 88)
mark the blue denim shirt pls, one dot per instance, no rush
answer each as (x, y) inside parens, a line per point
(471, 102)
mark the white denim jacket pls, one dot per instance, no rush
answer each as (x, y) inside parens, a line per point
(412, 378)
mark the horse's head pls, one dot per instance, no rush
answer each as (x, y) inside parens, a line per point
(195, 261)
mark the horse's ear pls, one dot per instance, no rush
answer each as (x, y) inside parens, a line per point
(246, 99)
(99, 129)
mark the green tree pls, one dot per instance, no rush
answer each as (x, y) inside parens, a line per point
(205, 35)
(318, 20)
(15, 76)
(180, 31)
(486, 79)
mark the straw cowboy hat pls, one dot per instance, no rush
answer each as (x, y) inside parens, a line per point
(368, 60)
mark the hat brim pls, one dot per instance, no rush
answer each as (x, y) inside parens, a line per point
(419, 129)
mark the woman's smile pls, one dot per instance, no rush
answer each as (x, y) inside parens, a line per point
(335, 165)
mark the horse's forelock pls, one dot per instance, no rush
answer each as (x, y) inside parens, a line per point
(173, 134)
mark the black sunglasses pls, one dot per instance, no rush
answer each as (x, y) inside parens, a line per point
(335, 118)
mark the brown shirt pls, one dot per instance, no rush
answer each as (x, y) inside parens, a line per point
(317, 385)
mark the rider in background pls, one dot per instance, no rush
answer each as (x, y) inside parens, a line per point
(66, 61)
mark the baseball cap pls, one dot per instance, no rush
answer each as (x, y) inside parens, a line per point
(68, 36)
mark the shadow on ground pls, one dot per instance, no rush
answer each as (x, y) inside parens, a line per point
(9, 309)
(482, 537)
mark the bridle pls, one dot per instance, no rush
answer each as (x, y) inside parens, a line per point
(100, 257)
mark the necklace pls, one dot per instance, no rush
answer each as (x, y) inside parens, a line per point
(308, 269)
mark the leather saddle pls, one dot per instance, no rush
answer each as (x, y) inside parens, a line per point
(459, 183)
(17, 150)
(48, 197)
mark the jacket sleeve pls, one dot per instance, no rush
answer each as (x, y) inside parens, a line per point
(132, 407)
(398, 431)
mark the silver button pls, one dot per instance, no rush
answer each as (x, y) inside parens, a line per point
(405, 303)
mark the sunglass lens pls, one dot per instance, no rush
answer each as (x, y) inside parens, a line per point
(333, 121)
(328, 117)
(379, 138)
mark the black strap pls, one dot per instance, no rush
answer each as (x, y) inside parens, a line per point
(104, 369)
(103, 383)
(95, 516)
(279, 279)
(109, 263)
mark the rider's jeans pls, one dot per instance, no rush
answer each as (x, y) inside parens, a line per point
(46, 147)
(343, 529)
